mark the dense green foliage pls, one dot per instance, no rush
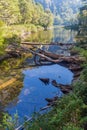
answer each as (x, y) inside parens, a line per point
(23, 11)
(21, 17)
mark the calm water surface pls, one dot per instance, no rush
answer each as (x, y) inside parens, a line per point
(32, 97)
(57, 34)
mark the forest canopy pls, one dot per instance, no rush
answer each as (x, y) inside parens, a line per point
(24, 12)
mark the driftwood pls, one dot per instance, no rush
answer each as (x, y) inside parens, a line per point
(46, 107)
(21, 127)
(52, 43)
(64, 88)
(49, 54)
(51, 57)
(60, 58)
(51, 99)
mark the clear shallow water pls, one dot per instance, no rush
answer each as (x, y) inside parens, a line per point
(32, 97)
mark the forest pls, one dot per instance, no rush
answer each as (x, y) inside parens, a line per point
(19, 18)
(25, 15)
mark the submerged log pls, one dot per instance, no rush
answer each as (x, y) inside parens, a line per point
(64, 88)
(45, 80)
(46, 107)
(51, 99)
(54, 83)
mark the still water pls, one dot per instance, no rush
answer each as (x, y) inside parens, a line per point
(33, 93)
(57, 34)
(32, 97)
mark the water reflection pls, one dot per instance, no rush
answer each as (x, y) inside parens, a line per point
(10, 94)
(63, 35)
(57, 34)
(34, 92)
(56, 49)
(41, 36)
(9, 97)
(81, 36)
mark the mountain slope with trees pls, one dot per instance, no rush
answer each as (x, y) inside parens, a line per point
(64, 10)
(23, 11)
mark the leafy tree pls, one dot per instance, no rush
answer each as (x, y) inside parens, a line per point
(9, 11)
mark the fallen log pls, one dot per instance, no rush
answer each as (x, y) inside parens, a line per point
(52, 43)
(73, 59)
(53, 57)
(43, 56)
(68, 59)
(49, 54)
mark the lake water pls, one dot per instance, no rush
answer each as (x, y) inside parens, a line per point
(57, 34)
(32, 95)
